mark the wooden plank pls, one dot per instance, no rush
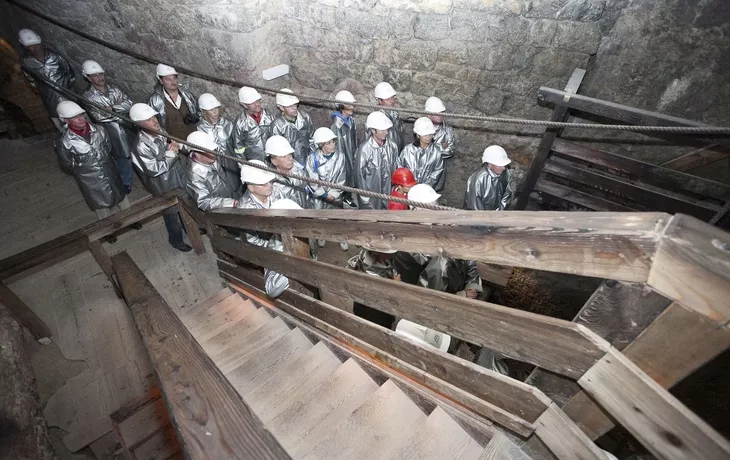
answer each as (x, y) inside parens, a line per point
(160, 446)
(191, 226)
(25, 316)
(698, 157)
(566, 247)
(720, 214)
(656, 418)
(511, 395)
(105, 262)
(209, 415)
(143, 423)
(561, 193)
(560, 113)
(564, 438)
(554, 344)
(495, 274)
(692, 266)
(138, 212)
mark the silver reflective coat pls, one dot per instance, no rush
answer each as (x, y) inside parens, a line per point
(158, 172)
(427, 165)
(248, 201)
(275, 283)
(294, 189)
(223, 134)
(374, 166)
(209, 186)
(446, 138)
(56, 69)
(487, 191)
(450, 275)
(346, 143)
(93, 167)
(249, 138)
(122, 136)
(396, 133)
(157, 102)
(298, 133)
(331, 169)
(363, 262)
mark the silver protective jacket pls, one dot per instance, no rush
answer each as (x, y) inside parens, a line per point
(486, 191)
(294, 189)
(248, 201)
(446, 138)
(54, 68)
(374, 165)
(159, 172)
(331, 169)
(93, 167)
(346, 143)
(275, 283)
(208, 185)
(397, 133)
(223, 134)
(249, 138)
(364, 262)
(450, 275)
(427, 165)
(121, 135)
(298, 133)
(157, 102)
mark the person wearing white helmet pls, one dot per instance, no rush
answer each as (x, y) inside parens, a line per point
(121, 135)
(343, 125)
(423, 156)
(252, 126)
(274, 282)
(293, 124)
(260, 193)
(444, 136)
(490, 188)
(50, 65)
(207, 183)
(281, 156)
(375, 161)
(158, 165)
(85, 151)
(386, 97)
(374, 262)
(214, 123)
(176, 106)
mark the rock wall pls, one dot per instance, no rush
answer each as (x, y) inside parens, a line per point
(483, 57)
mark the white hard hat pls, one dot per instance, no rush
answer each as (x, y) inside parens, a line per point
(423, 193)
(423, 334)
(384, 90)
(378, 120)
(141, 112)
(322, 135)
(27, 37)
(424, 127)
(344, 97)
(285, 203)
(248, 95)
(207, 101)
(495, 155)
(278, 146)
(434, 104)
(382, 251)
(68, 109)
(165, 70)
(255, 176)
(285, 100)
(91, 68)
(202, 139)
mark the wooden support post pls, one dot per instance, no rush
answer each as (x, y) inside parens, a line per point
(299, 247)
(560, 113)
(196, 241)
(25, 316)
(105, 262)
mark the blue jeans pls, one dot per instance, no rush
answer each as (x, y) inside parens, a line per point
(174, 226)
(124, 165)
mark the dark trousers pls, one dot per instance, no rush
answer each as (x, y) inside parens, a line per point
(174, 226)
(124, 165)
(375, 316)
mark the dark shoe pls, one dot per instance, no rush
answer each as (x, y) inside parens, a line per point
(183, 247)
(111, 239)
(127, 189)
(137, 225)
(203, 231)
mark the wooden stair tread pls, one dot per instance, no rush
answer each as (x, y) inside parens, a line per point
(501, 448)
(209, 302)
(290, 384)
(280, 354)
(374, 430)
(252, 344)
(440, 437)
(236, 332)
(229, 303)
(316, 414)
(216, 325)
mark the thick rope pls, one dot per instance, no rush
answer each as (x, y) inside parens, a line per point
(320, 101)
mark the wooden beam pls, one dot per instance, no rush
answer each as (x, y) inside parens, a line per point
(564, 438)
(513, 396)
(692, 266)
(25, 316)
(570, 245)
(560, 113)
(495, 274)
(105, 262)
(191, 226)
(138, 212)
(561, 193)
(557, 345)
(210, 416)
(656, 418)
(698, 157)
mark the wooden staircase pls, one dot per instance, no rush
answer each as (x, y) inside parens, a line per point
(317, 406)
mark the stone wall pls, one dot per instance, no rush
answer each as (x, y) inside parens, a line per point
(483, 57)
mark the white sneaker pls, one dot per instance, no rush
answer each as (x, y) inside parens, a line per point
(321, 243)
(344, 246)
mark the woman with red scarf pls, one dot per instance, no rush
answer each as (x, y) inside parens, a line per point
(402, 179)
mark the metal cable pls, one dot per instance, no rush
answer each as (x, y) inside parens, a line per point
(319, 101)
(344, 188)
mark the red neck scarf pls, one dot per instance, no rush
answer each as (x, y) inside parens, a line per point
(81, 132)
(257, 117)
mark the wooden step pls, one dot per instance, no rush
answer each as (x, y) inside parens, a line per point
(279, 355)
(437, 439)
(253, 345)
(290, 384)
(375, 430)
(236, 332)
(323, 409)
(205, 315)
(223, 321)
(209, 302)
(501, 448)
